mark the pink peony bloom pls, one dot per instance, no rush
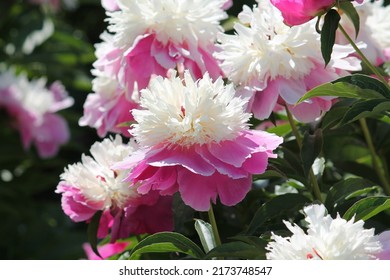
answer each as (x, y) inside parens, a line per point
(33, 109)
(106, 250)
(296, 12)
(185, 129)
(156, 36)
(92, 186)
(277, 64)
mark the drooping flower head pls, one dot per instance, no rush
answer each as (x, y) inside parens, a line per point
(186, 128)
(92, 185)
(156, 36)
(279, 63)
(33, 109)
(326, 239)
(297, 12)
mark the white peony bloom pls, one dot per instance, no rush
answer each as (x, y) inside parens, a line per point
(326, 239)
(171, 20)
(264, 48)
(188, 112)
(95, 178)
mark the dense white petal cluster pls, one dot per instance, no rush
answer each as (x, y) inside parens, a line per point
(188, 112)
(326, 239)
(264, 48)
(177, 21)
(95, 178)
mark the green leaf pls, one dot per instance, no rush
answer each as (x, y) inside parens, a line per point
(165, 242)
(341, 89)
(367, 208)
(206, 235)
(311, 148)
(366, 108)
(349, 9)
(347, 189)
(92, 230)
(367, 83)
(328, 34)
(236, 249)
(274, 208)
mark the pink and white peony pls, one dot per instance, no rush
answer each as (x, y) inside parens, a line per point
(279, 64)
(92, 185)
(156, 36)
(326, 239)
(196, 141)
(374, 30)
(33, 109)
(107, 109)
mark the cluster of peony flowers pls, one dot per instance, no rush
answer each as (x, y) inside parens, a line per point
(32, 108)
(329, 239)
(159, 80)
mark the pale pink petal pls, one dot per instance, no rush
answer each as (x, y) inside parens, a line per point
(187, 157)
(384, 238)
(256, 164)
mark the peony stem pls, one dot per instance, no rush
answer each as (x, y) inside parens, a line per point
(376, 163)
(364, 58)
(214, 226)
(298, 138)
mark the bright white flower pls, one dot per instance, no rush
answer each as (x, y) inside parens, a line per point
(95, 178)
(188, 112)
(171, 20)
(264, 48)
(326, 239)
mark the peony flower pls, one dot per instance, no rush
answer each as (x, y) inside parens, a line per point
(196, 141)
(374, 30)
(92, 185)
(107, 109)
(33, 109)
(156, 36)
(326, 239)
(106, 250)
(297, 12)
(279, 64)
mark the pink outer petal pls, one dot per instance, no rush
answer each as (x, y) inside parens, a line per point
(106, 250)
(75, 205)
(186, 157)
(264, 101)
(153, 216)
(53, 132)
(139, 64)
(384, 238)
(311, 110)
(107, 115)
(199, 191)
(110, 5)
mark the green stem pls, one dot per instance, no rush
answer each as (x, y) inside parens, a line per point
(298, 138)
(364, 58)
(376, 163)
(214, 226)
